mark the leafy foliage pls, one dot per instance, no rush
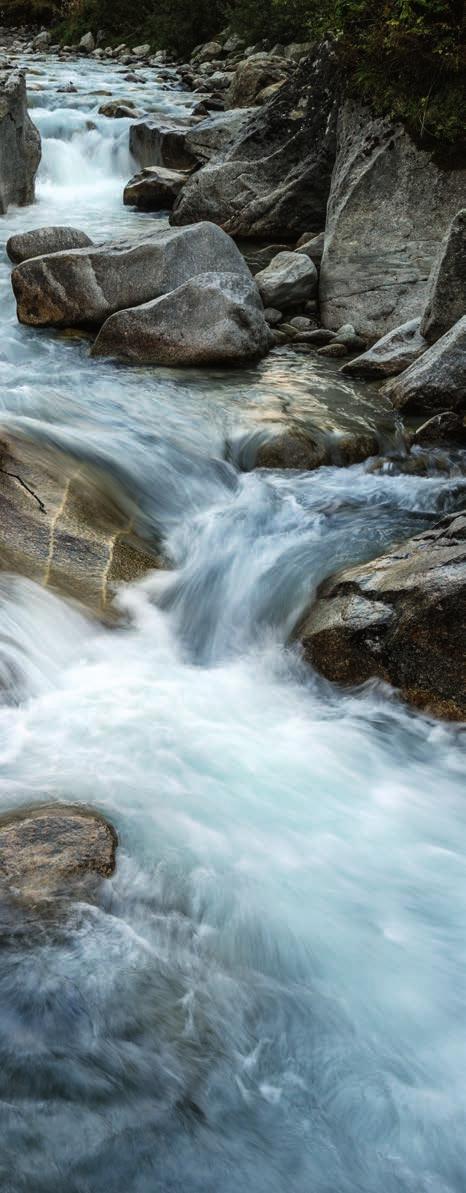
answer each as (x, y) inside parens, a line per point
(405, 57)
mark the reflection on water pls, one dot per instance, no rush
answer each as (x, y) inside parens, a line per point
(271, 994)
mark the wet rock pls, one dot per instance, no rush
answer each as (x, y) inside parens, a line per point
(274, 180)
(320, 336)
(400, 618)
(446, 427)
(437, 379)
(161, 143)
(214, 318)
(117, 109)
(82, 287)
(308, 449)
(375, 268)
(334, 350)
(66, 526)
(391, 354)
(446, 288)
(20, 150)
(51, 851)
(154, 189)
(288, 281)
(24, 245)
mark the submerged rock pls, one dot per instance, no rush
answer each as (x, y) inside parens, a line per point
(400, 618)
(437, 380)
(24, 245)
(214, 318)
(390, 355)
(446, 289)
(375, 267)
(50, 851)
(274, 179)
(62, 525)
(20, 150)
(154, 189)
(83, 287)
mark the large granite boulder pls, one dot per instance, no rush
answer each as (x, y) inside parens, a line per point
(54, 851)
(446, 290)
(19, 144)
(63, 526)
(273, 181)
(437, 381)
(24, 245)
(252, 75)
(400, 618)
(289, 280)
(154, 189)
(388, 211)
(83, 287)
(162, 143)
(214, 318)
(215, 133)
(390, 355)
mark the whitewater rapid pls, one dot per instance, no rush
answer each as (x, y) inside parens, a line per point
(272, 994)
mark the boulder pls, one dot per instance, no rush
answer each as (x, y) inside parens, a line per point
(42, 40)
(306, 450)
(437, 380)
(400, 618)
(212, 49)
(375, 267)
(212, 135)
(87, 43)
(19, 144)
(119, 109)
(142, 51)
(273, 181)
(313, 248)
(156, 143)
(51, 851)
(252, 76)
(214, 318)
(390, 355)
(63, 526)
(82, 287)
(288, 281)
(446, 289)
(24, 245)
(446, 427)
(154, 189)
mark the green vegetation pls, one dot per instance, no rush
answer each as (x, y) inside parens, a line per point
(405, 57)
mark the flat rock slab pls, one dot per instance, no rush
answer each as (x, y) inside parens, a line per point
(38, 241)
(54, 850)
(61, 525)
(400, 618)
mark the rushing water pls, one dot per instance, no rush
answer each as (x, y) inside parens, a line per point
(271, 996)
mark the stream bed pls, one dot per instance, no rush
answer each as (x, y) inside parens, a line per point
(271, 995)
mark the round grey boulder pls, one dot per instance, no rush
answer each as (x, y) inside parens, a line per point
(38, 241)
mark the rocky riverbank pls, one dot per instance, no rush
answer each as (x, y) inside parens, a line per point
(351, 244)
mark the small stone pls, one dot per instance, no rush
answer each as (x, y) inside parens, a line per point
(301, 323)
(333, 350)
(272, 316)
(320, 335)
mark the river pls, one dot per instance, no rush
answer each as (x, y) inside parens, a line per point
(271, 995)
